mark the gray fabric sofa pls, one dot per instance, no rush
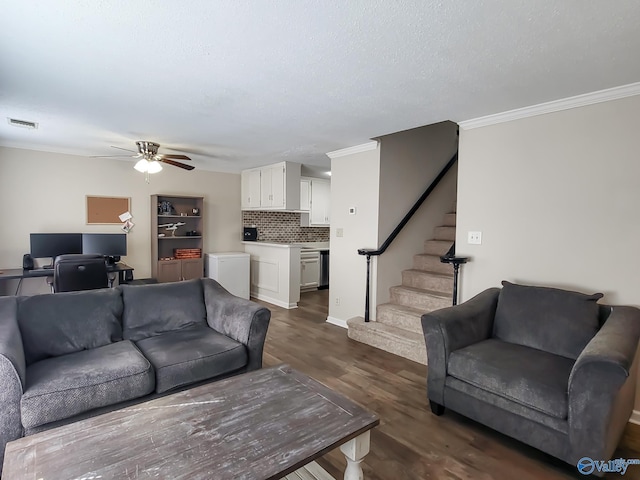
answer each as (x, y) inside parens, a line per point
(551, 368)
(65, 356)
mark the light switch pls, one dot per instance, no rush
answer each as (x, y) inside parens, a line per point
(339, 232)
(474, 238)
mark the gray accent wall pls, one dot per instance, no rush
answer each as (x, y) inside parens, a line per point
(557, 199)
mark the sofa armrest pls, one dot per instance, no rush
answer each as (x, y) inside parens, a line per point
(602, 385)
(243, 320)
(12, 373)
(452, 328)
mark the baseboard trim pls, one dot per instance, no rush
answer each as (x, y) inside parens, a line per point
(275, 301)
(337, 321)
(635, 417)
(583, 100)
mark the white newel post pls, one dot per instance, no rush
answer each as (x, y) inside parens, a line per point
(355, 450)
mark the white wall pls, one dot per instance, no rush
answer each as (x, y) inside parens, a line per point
(354, 182)
(45, 192)
(556, 197)
(409, 161)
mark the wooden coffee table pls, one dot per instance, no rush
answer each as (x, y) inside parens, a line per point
(265, 424)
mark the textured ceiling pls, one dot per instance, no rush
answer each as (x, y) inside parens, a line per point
(245, 83)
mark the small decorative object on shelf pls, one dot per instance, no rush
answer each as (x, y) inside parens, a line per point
(195, 211)
(165, 208)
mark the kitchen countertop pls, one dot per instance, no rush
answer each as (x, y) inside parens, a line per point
(306, 246)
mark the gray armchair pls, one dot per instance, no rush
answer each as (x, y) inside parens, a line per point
(549, 367)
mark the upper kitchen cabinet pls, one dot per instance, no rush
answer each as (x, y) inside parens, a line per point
(273, 187)
(318, 201)
(305, 194)
(250, 187)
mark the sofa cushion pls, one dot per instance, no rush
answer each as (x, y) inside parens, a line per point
(190, 355)
(549, 319)
(154, 309)
(61, 387)
(533, 378)
(63, 323)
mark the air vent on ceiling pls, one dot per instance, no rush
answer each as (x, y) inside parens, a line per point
(22, 123)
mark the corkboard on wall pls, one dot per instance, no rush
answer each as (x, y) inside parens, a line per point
(106, 210)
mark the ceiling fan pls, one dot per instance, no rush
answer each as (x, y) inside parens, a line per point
(150, 159)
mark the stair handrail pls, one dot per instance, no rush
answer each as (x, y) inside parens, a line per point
(380, 250)
(451, 258)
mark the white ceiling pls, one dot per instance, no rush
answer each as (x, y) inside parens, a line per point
(237, 84)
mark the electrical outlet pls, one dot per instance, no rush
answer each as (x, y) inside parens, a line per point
(339, 232)
(474, 238)
(337, 301)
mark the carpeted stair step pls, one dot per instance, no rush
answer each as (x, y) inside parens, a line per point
(437, 247)
(449, 220)
(431, 263)
(419, 299)
(436, 282)
(400, 316)
(444, 233)
(391, 339)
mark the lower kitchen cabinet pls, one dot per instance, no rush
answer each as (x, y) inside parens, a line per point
(177, 270)
(309, 270)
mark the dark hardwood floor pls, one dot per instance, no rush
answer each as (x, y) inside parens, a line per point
(410, 443)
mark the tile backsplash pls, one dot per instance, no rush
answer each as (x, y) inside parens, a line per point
(283, 227)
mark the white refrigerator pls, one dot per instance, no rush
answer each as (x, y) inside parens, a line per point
(231, 270)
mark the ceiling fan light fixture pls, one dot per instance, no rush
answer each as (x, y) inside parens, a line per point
(154, 166)
(142, 165)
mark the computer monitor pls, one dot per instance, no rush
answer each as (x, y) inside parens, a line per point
(111, 245)
(50, 245)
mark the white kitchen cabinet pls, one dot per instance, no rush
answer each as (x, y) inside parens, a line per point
(272, 187)
(309, 270)
(250, 186)
(320, 202)
(305, 194)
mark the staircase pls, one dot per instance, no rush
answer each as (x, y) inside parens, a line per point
(426, 287)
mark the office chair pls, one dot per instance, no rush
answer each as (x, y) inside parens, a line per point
(79, 272)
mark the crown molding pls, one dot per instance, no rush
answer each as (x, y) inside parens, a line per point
(365, 147)
(554, 106)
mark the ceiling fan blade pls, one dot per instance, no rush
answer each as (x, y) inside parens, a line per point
(175, 157)
(176, 164)
(120, 148)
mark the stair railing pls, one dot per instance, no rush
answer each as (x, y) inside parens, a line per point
(450, 258)
(380, 250)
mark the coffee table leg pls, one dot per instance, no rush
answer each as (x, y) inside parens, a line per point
(355, 450)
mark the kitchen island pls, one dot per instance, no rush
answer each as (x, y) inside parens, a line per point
(275, 270)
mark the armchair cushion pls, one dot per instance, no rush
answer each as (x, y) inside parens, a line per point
(530, 377)
(555, 321)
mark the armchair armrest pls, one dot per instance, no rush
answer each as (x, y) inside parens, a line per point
(452, 328)
(12, 372)
(602, 385)
(243, 320)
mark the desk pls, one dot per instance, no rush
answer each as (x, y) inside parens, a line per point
(18, 273)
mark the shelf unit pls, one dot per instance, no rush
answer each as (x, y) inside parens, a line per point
(164, 266)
